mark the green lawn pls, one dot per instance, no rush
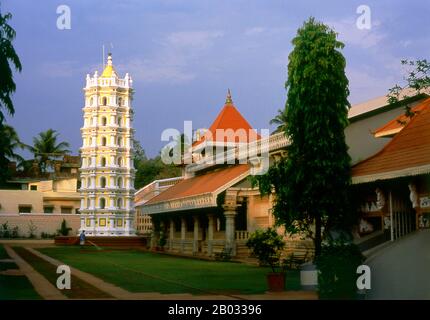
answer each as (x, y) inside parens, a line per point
(14, 287)
(138, 271)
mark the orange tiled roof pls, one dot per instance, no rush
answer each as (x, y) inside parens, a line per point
(206, 183)
(397, 124)
(229, 118)
(408, 153)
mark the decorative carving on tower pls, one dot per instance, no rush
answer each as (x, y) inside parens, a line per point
(107, 172)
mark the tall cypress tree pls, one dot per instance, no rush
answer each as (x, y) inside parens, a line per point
(312, 182)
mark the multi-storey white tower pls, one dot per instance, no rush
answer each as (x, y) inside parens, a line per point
(107, 172)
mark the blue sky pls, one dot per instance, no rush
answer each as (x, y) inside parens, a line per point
(183, 55)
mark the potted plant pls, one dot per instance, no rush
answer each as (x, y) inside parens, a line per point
(162, 242)
(266, 246)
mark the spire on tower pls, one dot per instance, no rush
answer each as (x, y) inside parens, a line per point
(228, 99)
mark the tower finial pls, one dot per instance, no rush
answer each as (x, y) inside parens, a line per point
(228, 100)
(109, 59)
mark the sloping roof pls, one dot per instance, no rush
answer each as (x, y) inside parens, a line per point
(397, 124)
(210, 182)
(379, 102)
(407, 154)
(229, 119)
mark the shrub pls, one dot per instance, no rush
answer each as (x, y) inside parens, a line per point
(64, 230)
(31, 230)
(163, 240)
(266, 246)
(337, 270)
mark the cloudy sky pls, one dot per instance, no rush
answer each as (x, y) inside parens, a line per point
(183, 55)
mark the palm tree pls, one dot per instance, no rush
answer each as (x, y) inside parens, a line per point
(280, 120)
(9, 143)
(8, 57)
(45, 148)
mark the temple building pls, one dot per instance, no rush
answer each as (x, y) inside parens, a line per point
(107, 172)
(213, 207)
(393, 185)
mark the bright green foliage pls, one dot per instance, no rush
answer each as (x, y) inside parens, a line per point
(337, 267)
(312, 183)
(266, 246)
(46, 147)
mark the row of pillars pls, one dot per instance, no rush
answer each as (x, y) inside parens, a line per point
(229, 233)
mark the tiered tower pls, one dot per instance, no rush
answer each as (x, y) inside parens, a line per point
(107, 172)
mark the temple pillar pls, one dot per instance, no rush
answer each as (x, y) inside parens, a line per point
(171, 233)
(211, 226)
(230, 211)
(183, 231)
(196, 235)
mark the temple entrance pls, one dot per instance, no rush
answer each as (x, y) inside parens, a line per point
(404, 216)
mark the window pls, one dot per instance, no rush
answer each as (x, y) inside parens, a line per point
(83, 183)
(120, 101)
(88, 202)
(119, 182)
(104, 101)
(119, 203)
(103, 162)
(119, 161)
(48, 209)
(119, 121)
(91, 101)
(102, 203)
(89, 161)
(103, 182)
(66, 210)
(33, 188)
(104, 121)
(104, 140)
(119, 141)
(24, 208)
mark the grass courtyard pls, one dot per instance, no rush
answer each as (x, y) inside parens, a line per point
(138, 271)
(14, 287)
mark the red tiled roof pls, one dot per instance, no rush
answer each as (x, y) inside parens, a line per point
(206, 183)
(229, 118)
(408, 153)
(397, 124)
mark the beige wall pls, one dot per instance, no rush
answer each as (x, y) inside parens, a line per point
(258, 215)
(359, 134)
(48, 223)
(11, 199)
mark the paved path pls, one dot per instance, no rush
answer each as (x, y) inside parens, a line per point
(42, 286)
(120, 293)
(402, 270)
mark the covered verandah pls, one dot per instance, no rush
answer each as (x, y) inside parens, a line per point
(202, 215)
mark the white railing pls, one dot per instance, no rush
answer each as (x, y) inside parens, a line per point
(242, 235)
(273, 143)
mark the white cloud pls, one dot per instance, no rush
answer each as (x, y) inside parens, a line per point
(254, 31)
(175, 59)
(350, 34)
(192, 39)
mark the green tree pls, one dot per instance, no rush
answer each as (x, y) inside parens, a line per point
(9, 143)
(8, 60)
(46, 148)
(312, 183)
(280, 120)
(417, 78)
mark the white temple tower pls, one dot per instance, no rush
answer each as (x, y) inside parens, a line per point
(107, 171)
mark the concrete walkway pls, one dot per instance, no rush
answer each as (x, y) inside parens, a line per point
(120, 293)
(42, 286)
(401, 270)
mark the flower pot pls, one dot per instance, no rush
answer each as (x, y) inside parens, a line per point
(276, 281)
